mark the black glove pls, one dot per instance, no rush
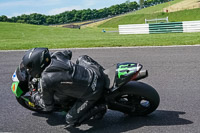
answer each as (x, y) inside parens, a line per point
(36, 98)
(68, 53)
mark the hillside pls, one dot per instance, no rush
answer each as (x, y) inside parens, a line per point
(156, 8)
(185, 4)
(158, 11)
(184, 15)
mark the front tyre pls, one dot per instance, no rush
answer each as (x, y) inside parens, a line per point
(140, 97)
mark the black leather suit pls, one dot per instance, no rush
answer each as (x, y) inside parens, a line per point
(83, 80)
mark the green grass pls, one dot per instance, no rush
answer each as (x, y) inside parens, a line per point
(157, 8)
(24, 36)
(184, 15)
(153, 12)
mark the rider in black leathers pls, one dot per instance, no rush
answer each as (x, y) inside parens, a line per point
(60, 77)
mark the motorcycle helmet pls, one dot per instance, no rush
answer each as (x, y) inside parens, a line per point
(21, 73)
(36, 60)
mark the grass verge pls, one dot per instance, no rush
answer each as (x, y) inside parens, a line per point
(24, 36)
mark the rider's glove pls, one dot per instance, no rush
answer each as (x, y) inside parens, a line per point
(68, 54)
(36, 98)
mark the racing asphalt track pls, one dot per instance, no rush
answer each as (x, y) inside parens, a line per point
(173, 71)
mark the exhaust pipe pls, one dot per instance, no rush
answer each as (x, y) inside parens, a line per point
(142, 74)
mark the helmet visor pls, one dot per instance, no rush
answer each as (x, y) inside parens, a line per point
(21, 73)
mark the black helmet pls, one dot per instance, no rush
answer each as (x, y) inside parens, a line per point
(36, 60)
(21, 73)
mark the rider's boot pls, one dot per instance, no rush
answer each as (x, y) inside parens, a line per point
(96, 113)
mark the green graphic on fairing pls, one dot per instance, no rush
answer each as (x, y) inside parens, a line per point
(16, 89)
(125, 69)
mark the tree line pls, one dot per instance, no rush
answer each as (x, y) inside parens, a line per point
(147, 3)
(80, 15)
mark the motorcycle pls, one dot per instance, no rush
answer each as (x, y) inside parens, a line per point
(122, 92)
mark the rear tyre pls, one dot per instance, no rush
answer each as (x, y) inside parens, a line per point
(140, 97)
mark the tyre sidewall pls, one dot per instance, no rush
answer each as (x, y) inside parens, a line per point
(143, 90)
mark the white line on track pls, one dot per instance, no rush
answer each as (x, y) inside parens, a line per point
(173, 46)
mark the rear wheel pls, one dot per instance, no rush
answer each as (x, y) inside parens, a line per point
(139, 98)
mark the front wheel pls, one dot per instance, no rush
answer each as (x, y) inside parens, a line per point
(139, 98)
